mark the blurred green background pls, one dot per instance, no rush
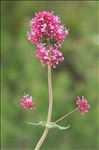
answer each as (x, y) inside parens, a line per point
(76, 76)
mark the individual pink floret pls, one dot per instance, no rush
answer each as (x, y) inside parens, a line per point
(26, 102)
(83, 105)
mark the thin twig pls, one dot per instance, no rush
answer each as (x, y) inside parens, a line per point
(66, 115)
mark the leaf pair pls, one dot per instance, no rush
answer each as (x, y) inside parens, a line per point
(50, 125)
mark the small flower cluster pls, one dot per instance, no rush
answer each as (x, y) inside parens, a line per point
(83, 105)
(47, 34)
(43, 54)
(26, 102)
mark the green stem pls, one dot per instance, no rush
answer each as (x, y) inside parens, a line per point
(39, 144)
(66, 115)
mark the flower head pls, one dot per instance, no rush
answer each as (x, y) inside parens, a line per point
(47, 34)
(83, 105)
(26, 102)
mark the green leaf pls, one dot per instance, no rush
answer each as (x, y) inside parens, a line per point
(50, 125)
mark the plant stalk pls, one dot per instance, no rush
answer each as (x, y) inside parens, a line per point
(66, 115)
(39, 144)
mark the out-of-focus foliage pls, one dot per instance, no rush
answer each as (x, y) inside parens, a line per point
(76, 76)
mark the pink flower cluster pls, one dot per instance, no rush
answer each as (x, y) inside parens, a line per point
(47, 34)
(83, 105)
(26, 102)
(43, 54)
